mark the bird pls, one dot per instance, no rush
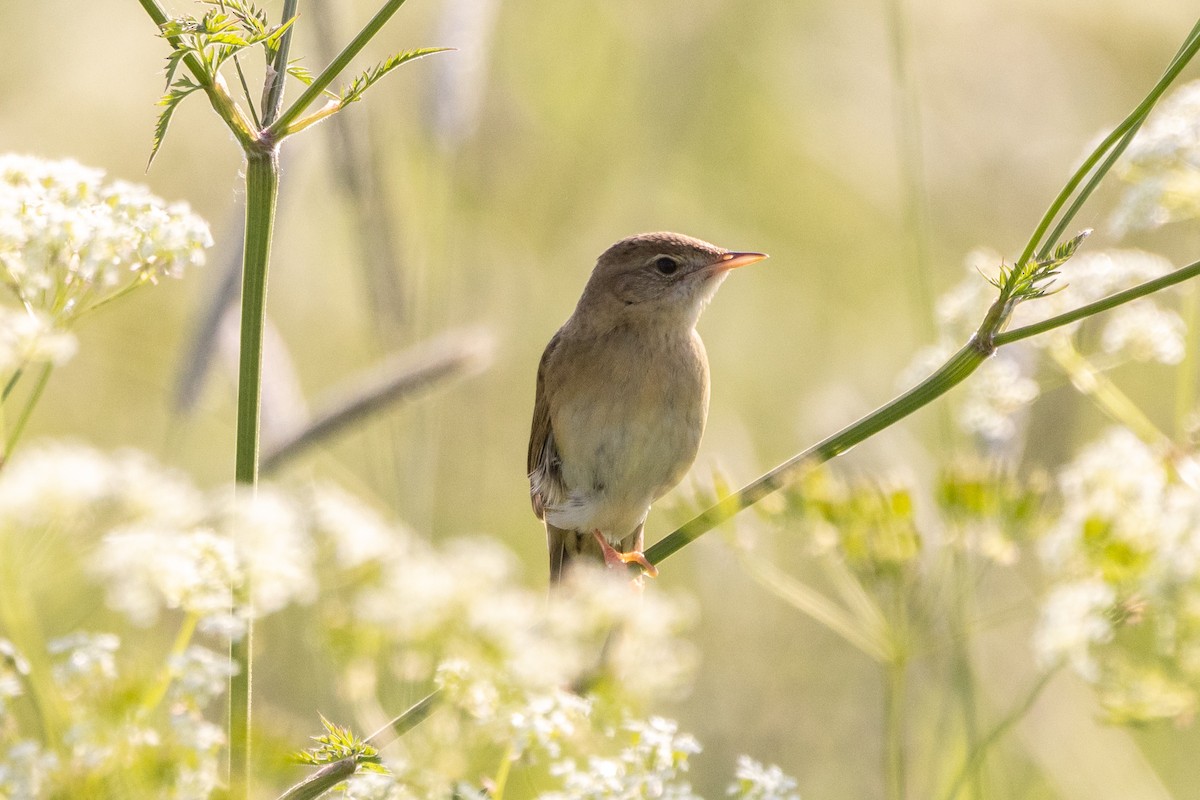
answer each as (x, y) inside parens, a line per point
(622, 397)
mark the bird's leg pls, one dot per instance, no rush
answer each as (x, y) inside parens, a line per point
(613, 556)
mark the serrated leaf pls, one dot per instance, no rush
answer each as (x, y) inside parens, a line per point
(270, 39)
(369, 77)
(170, 101)
(252, 18)
(300, 73)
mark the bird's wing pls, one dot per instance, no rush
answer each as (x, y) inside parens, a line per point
(543, 464)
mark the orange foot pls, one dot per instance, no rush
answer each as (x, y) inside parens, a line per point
(613, 557)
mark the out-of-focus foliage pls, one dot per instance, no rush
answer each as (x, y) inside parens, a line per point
(764, 126)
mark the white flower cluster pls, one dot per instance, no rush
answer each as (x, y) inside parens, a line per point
(1162, 165)
(69, 240)
(1124, 553)
(758, 782)
(649, 766)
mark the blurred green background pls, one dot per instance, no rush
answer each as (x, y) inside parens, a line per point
(503, 169)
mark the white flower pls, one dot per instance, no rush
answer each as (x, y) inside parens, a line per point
(198, 676)
(69, 242)
(1075, 617)
(997, 391)
(55, 481)
(149, 569)
(28, 337)
(1144, 332)
(359, 533)
(1162, 165)
(546, 721)
(26, 770)
(649, 766)
(274, 549)
(754, 781)
(84, 661)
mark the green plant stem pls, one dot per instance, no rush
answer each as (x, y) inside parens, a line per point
(857, 632)
(1130, 124)
(1104, 304)
(262, 188)
(501, 780)
(895, 700)
(1185, 382)
(912, 164)
(1107, 396)
(322, 780)
(218, 94)
(1015, 715)
(957, 369)
(409, 719)
(961, 609)
(27, 410)
(280, 126)
(182, 639)
(330, 775)
(272, 102)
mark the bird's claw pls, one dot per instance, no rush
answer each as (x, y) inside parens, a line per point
(614, 557)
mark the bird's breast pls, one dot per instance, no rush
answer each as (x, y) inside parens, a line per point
(628, 410)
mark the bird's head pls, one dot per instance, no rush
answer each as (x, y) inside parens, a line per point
(660, 276)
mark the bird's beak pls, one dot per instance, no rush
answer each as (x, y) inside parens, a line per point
(734, 260)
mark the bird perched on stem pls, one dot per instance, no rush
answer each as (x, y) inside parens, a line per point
(622, 396)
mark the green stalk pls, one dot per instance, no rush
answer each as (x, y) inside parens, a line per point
(1129, 125)
(218, 95)
(1103, 304)
(27, 410)
(912, 164)
(262, 189)
(960, 366)
(279, 127)
(1015, 715)
(949, 375)
(895, 705)
(277, 76)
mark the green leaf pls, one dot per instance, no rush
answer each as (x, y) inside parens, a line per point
(369, 77)
(337, 744)
(300, 73)
(170, 101)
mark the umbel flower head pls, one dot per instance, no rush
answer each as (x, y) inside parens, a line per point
(70, 241)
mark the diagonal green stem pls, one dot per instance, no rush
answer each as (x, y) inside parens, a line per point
(985, 341)
(1128, 126)
(280, 126)
(27, 410)
(989, 336)
(1104, 304)
(949, 375)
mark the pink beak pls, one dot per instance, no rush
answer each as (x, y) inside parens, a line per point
(734, 260)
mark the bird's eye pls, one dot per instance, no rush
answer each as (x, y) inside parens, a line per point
(666, 265)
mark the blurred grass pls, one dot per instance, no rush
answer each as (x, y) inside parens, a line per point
(762, 126)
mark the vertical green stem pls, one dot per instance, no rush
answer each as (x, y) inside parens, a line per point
(895, 696)
(963, 671)
(262, 188)
(912, 164)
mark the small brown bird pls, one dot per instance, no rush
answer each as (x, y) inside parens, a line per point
(622, 396)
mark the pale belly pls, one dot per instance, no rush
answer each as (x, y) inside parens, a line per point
(630, 438)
